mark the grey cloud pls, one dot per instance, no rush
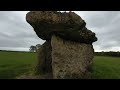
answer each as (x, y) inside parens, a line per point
(106, 25)
(107, 31)
(15, 32)
(99, 19)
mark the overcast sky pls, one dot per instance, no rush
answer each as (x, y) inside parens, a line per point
(17, 34)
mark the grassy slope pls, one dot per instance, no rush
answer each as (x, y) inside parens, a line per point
(14, 64)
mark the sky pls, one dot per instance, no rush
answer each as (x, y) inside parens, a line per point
(17, 35)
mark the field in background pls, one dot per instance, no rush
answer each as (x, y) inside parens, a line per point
(13, 64)
(106, 67)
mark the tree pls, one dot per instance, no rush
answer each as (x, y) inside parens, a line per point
(32, 48)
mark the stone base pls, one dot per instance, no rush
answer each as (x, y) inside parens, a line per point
(71, 60)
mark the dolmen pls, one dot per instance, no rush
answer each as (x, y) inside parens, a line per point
(68, 51)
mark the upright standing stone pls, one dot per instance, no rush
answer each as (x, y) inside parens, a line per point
(71, 59)
(44, 58)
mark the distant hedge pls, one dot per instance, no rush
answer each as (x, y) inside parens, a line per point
(113, 54)
(16, 51)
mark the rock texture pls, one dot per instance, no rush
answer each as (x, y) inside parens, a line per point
(69, 26)
(44, 58)
(68, 50)
(71, 59)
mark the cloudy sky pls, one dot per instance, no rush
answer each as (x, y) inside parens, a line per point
(17, 34)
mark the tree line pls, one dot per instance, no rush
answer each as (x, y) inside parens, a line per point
(110, 53)
(34, 48)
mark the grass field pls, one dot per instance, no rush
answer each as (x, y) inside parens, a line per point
(106, 67)
(13, 64)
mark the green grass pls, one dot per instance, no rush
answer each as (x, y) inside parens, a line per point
(14, 64)
(106, 68)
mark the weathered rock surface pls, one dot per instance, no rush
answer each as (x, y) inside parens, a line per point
(69, 26)
(44, 64)
(71, 60)
(68, 51)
